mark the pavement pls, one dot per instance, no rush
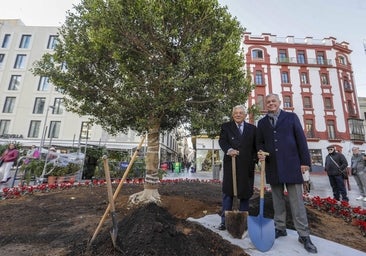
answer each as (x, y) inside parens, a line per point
(284, 246)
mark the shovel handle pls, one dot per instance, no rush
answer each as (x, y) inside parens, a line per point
(109, 183)
(233, 169)
(263, 172)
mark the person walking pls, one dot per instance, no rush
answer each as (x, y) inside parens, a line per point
(281, 135)
(8, 158)
(335, 163)
(237, 139)
(358, 172)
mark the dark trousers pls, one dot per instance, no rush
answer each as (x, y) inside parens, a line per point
(227, 205)
(338, 187)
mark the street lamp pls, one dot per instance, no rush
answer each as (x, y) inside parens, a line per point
(43, 138)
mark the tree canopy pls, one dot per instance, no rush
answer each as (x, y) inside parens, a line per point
(128, 63)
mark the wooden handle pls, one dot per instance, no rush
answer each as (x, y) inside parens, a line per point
(233, 169)
(109, 183)
(263, 172)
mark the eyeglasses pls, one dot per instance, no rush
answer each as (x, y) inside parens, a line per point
(330, 149)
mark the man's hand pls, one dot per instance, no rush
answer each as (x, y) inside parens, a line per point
(233, 152)
(262, 155)
(304, 168)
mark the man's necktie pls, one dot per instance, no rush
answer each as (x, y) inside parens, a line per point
(272, 120)
(239, 128)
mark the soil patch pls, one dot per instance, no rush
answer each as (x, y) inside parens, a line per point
(62, 222)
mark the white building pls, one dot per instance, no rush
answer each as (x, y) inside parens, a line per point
(31, 107)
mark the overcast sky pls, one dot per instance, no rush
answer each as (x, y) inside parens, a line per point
(344, 20)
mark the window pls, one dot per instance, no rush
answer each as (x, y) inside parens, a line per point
(260, 102)
(331, 130)
(20, 61)
(54, 131)
(34, 129)
(287, 102)
(257, 54)
(282, 56)
(39, 104)
(324, 79)
(320, 58)
(14, 83)
(43, 84)
(57, 107)
(52, 41)
(342, 60)
(309, 128)
(346, 84)
(307, 102)
(328, 103)
(258, 77)
(304, 78)
(285, 78)
(9, 105)
(25, 41)
(4, 126)
(85, 130)
(356, 128)
(301, 57)
(2, 57)
(6, 41)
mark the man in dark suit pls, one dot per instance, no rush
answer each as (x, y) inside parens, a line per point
(237, 139)
(281, 135)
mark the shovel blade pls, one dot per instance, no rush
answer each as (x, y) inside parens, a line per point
(261, 232)
(236, 223)
(114, 230)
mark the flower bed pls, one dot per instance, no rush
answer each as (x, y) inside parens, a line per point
(354, 215)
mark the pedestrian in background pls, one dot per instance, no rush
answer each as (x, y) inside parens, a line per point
(335, 166)
(8, 158)
(358, 172)
(237, 139)
(281, 135)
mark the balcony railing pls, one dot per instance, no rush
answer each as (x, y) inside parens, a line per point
(294, 60)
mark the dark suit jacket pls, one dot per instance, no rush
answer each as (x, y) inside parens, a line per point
(245, 162)
(286, 143)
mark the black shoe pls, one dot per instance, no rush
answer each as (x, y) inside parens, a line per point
(308, 245)
(279, 233)
(222, 226)
(8, 179)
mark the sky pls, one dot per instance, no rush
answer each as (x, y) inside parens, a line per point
(343, 20)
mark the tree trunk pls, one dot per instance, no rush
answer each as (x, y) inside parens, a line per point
(150, 192)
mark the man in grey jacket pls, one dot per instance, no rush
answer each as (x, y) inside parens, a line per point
(358, 172)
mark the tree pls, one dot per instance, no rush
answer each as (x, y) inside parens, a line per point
(149, 65)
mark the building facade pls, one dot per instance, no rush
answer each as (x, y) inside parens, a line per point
(32, 111)
(315, 80)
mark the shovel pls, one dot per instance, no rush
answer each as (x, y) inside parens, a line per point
(114, 230)
(261, 230)
(235, 221)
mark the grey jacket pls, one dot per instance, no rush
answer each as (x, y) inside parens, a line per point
(357, 163)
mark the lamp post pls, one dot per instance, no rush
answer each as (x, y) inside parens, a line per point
(43, 138)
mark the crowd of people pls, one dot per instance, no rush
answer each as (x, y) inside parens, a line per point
(11, 155)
